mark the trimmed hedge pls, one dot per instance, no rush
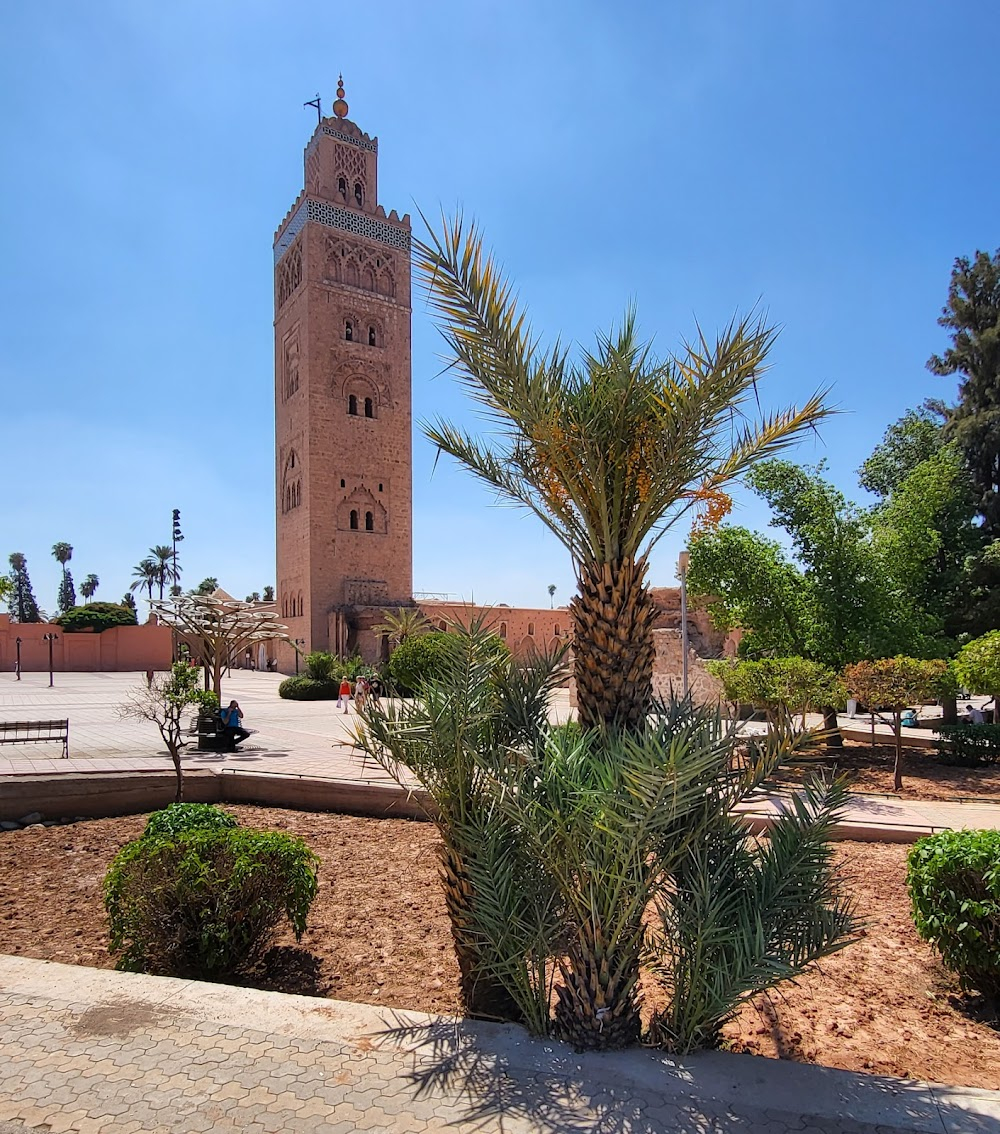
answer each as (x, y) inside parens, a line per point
(308, 689)
(954, 884)
(969, 745)
(206, 903)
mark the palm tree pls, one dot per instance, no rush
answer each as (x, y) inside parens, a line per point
(167, 570)
(402, 623)
(609, 452)
(552, 592)
(63, 553)
(146, 574)
(89, 586)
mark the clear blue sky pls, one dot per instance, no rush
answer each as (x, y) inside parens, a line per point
(827, 159)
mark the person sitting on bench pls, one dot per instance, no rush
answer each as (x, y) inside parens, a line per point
(232, 719)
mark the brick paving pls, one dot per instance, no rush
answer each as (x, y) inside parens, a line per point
(87, 1051)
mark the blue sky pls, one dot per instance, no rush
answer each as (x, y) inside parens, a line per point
(825, 159)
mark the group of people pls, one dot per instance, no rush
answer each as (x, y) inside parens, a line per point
(364, 688)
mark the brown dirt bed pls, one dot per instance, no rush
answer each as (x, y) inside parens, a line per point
(923, 776)
(379, 935)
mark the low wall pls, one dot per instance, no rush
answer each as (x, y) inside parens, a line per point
(95, 795)
(122, 648)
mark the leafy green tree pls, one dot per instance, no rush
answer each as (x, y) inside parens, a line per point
(893, 684)
(972, 315)
(96, 616)
(89, 586)
(21, 602)
(608, 451)
(6, 588)
(778, 686)
(977, 666)
(915, 438)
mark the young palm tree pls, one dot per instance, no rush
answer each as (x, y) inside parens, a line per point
(608, 452)
(89, 586)
(146, 574)
(62, 553)
(402, 623)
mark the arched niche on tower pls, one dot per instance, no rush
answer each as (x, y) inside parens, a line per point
(369, 269)
(361, 389)
(360, 512)
(290, 351)
(290, 491)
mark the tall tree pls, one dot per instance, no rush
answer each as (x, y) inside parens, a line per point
(21, 603)
(915, 438)
(165, 559)
(129, 601)
(972, 314)
(269, 593)
(206, 586)
(146, 574)
(89, 586)
(63, 553)
(608, 452)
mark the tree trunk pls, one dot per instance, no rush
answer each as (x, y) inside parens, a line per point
(897, 771)
(613, 617)
(596, 1006)
(949, 710)
(834, 738)
(484, 997)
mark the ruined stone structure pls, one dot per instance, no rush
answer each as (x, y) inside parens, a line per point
(342, 395)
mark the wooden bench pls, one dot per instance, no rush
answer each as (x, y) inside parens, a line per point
(30, 732)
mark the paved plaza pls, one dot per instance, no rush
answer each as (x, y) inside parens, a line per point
(87, 1051)
(312, 739)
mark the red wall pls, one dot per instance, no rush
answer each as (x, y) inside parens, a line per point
(122, 648)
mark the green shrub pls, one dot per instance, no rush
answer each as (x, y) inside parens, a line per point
(319, 665)
(420, 658)
(954, 884)
(206, 903)
(96, 616)
(308, 689)
(180, 817)
(968, 745)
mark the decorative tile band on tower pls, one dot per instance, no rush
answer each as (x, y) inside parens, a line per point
(348, 220)
(364, 143)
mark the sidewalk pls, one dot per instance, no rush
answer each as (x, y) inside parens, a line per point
(88, 1051)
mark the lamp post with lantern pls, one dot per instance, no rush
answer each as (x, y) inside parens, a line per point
(50, 638)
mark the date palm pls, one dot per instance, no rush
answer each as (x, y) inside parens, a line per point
(146, 574)
(166, 566)
(89, 586)
(608, 451)
(402, 623)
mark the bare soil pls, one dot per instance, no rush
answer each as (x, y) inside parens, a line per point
(379, 934)
(871, 770)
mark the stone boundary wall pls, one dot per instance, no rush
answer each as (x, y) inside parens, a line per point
(122, 648)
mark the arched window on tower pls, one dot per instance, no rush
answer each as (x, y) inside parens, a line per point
(503, 629)
(371, 336)
(352, 405)
(369, 522)
(359, 193)
(354, 519)
(342, 186)
(369, 408)
(531, 629)
(349, 331)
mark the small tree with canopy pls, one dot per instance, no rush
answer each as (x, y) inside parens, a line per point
(892, 684)
(977, 666)
(218, 630)
(779, 687)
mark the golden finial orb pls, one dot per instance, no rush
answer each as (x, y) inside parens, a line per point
(340, 107)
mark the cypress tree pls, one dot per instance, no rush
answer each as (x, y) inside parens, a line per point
(972, 314)
(21, 604)
(67, 592)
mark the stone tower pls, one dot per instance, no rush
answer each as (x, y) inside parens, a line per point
(342, 396)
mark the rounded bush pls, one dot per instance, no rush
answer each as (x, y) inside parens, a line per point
(954, 884)
(180, 817)
(206, 903)
(308, 689)
(96, 616)
(418, 658)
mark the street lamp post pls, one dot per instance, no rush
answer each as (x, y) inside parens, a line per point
(17, 663)
(50, 638)
(683, 560)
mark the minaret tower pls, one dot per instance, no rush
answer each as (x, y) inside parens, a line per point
(342, 396)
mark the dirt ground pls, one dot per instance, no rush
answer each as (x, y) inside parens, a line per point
(923, 776)
(378, 933)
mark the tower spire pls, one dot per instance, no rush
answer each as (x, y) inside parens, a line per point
(340, 107)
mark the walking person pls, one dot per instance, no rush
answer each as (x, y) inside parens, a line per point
(361, 691)
(345, 694)
(232, 719)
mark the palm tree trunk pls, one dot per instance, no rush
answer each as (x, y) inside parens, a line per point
(597, 1008)
(613, 616)
(484, 997)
